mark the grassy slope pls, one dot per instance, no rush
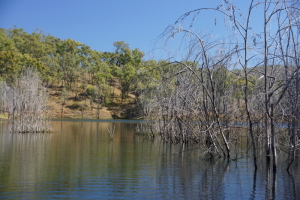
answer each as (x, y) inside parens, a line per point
(116, 105)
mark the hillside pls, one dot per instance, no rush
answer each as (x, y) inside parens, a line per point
(81, 82)
(87, 108)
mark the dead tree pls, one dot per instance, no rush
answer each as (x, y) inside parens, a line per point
(265, 60)
(27, 103)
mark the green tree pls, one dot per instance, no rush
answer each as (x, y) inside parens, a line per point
(129, 62)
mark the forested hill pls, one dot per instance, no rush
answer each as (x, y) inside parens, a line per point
(80, 81)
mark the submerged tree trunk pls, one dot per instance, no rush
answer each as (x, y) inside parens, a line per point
(252, 59)
(27, 103)
(273, 141)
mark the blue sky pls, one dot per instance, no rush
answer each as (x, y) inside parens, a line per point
(99, 23)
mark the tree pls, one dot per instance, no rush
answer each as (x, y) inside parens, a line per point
(64, 96)
(262, 61)
(128, 62)
(27, 103)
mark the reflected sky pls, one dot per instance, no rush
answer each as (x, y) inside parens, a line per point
(79, 160)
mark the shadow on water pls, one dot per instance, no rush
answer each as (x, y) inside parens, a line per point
(80, 160)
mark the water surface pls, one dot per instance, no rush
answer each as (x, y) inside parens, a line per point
(80, 160)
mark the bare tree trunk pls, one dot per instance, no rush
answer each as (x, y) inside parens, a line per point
(266, 89)
(98, 111)
(62, 111)
(27, 103)
(273, 141)
(258, 74)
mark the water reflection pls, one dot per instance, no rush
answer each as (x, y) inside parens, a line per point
(80, 160)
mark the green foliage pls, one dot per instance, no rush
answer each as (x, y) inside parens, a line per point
(125, 64)
(9, 63)
(67, 62)
(72, 67)
(64, 96)
(91, 91)
(5, 43)
(102, 73)
(105, 90)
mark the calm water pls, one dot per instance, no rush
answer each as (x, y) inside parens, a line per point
(80, 161)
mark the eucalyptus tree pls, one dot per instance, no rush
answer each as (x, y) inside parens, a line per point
(5, 43)
(148, 76)
(102, 73)
(128, 62)
(64, 97)
(20, 50)
(68, 57)
(94, 60)
(3, 105)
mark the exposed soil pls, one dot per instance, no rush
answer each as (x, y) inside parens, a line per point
(82, 107)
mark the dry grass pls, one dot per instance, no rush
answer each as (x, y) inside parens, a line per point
(116, 106)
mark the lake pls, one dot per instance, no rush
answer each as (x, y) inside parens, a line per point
(80, 161)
